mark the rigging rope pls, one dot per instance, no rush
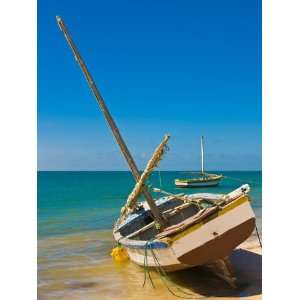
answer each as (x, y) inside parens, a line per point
(159, 175)
(240, 180)
(257, 233)
(146, 269)
(163, 275)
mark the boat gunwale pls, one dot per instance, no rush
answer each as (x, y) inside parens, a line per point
(140, 244)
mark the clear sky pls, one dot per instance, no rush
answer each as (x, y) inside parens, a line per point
(188, 68)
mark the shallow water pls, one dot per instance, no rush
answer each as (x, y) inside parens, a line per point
(75, 213)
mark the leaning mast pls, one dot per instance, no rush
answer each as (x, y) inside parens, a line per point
(132, 165)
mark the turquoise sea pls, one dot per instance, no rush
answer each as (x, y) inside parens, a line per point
(76, 211)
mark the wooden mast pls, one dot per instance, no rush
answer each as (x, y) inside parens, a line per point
(132, 165)
(202, 156)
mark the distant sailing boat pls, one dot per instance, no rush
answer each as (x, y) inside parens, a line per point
(205, 179)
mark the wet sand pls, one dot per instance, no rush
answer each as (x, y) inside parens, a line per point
(79, 267)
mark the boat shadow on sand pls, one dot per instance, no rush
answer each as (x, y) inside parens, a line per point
(202, 281)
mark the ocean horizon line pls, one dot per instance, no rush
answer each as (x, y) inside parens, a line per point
(153, 171)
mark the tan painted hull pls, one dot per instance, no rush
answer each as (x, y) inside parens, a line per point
(220, 247)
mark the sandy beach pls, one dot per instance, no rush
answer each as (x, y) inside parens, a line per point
(73, 275)
(247, 260)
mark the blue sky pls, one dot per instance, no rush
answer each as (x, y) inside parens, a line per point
(188, 68)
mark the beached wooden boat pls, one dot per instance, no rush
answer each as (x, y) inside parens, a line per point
(203, 180)
(202, 228)
(199, 228)
(176, 231)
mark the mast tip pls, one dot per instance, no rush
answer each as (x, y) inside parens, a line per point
(58, 18)
(59, 22)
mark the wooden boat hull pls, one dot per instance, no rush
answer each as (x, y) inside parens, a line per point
(197, 183)
(202, 243)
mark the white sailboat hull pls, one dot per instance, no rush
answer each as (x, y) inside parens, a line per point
(197, 184)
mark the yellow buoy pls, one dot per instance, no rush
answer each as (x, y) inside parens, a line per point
(119, 254)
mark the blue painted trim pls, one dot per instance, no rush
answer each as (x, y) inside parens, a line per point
(150, 245)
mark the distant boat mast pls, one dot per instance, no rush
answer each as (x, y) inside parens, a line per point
(202, 156)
